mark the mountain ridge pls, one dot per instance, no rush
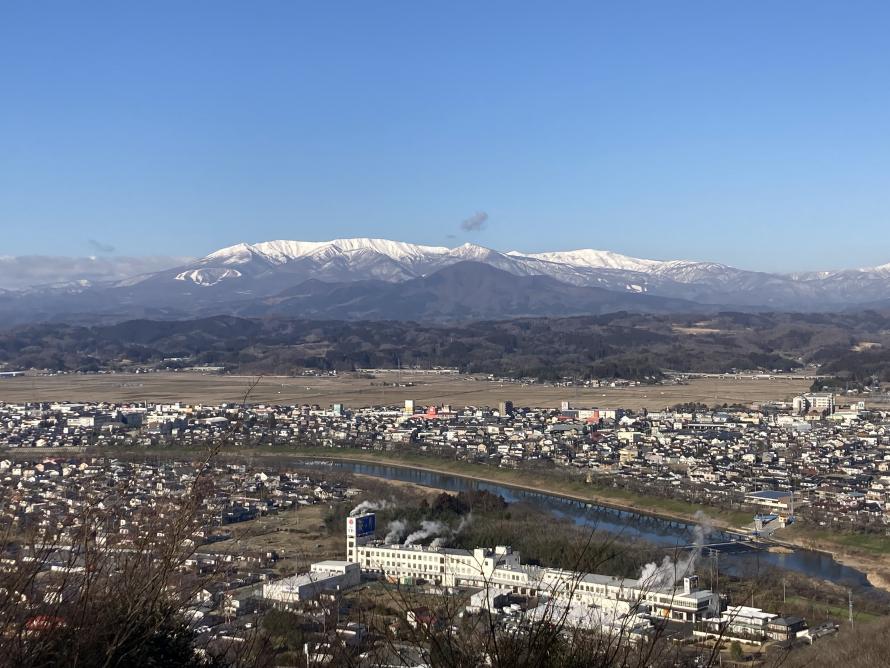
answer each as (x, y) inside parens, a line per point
(251, 277)
(464, 291)
(706, 282)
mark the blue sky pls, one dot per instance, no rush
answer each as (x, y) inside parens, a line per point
(756, 134)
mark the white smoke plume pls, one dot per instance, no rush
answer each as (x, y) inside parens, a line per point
(427, 528)
(447, 532)
(366, 506)
(395, 531)
(668, 572)
(465, 521)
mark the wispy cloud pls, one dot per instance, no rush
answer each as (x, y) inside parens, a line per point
(100, 247)
(21, 272)
(475, 223)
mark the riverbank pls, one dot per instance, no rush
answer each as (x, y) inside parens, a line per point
(876, 566)
(534, 481)
(545, 482)
(868, 554)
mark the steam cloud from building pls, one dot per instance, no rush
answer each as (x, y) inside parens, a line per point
(669, 571)
(367, 506)
(427, 529)
(448, 533)
(395, 530)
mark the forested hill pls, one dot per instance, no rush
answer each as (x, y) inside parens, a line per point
(616, 345)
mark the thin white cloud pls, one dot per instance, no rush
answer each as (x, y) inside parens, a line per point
(28, 271)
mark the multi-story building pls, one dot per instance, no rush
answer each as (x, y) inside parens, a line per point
(501, 567)
(819, 402)
(740, 622)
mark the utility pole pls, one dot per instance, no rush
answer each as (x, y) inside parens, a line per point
(850, 605)
(783, 590)
(792, 497)
(716, 554)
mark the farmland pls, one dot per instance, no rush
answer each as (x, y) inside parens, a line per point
(356, 390)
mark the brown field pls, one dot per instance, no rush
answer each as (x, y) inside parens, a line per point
(354, 391)
(299, 536)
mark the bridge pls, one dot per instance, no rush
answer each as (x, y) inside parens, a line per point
(743, 545)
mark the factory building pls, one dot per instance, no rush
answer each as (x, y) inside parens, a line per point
(502, 568)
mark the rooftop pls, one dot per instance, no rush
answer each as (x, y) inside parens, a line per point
(771, 494)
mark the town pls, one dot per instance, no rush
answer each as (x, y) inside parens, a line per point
(62, 512)
(70, 466)
(809, 456)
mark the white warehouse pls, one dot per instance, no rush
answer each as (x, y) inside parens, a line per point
(324, 576)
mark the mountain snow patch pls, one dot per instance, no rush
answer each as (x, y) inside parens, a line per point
(209, 276)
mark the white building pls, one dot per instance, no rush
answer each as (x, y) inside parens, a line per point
(324, 576)
(820, 402)
(740, 622)
(502, 568)
(576, 615)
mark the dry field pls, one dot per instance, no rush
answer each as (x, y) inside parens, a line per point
(353, 391)
(299, 536)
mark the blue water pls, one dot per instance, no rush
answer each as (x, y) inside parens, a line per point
(735, 558)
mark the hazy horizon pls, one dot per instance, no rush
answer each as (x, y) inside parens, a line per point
(18, 272)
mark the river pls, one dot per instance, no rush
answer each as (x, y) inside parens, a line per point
(734, 558)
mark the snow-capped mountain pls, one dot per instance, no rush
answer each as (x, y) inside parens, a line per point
(261, 269)
(339, 259)
(359, 259)
(270, 277)
(592, 259)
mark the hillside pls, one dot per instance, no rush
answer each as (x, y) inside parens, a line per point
(853, 346)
